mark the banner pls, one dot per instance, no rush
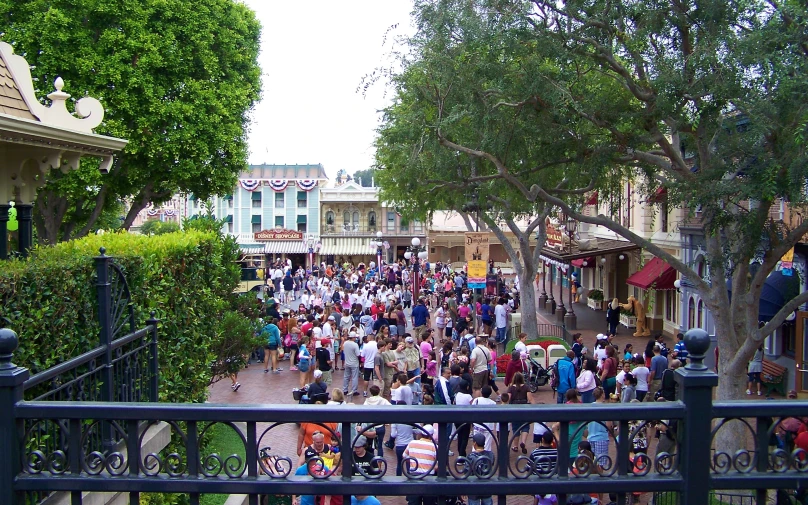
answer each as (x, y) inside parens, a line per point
(278, 234)
(477, 258)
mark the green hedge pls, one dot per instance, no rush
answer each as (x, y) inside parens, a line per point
(186, 278)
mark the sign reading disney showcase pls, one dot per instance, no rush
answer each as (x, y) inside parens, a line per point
(278, 234)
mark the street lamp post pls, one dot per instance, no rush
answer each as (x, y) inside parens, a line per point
(570, 319)
(313, 247)
(416, 253)
(379, 246)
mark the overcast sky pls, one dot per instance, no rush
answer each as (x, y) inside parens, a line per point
(313, 57)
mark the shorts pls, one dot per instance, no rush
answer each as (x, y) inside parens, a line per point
(479, 379)
(520, 427)
(367, 373)
(448, 331)
(293, 347)
(754, 377)
(326, 376)
(271, 347)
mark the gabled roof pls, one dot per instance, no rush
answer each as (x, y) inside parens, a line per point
(11, 101)
(287, 172)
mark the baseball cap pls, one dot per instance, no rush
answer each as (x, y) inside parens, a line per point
(360, 441)
(318, 374)
(326, 341)
(409, 340)
(352, 334)
(310, 454)
(429, 429)
(479, 439)
(792, 394)
(332, 318)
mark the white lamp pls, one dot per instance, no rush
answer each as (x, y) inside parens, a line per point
(379, 235)
(585, 263)
(603, 261)
(407, 255)
(622, 257)
(416, 241)
(677, 284)
(422, 255)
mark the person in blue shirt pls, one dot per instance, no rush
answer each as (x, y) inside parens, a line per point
(273, 335)
(679, 350)
(312, 466)
(365, 500)
(420, 319)
(566, 375)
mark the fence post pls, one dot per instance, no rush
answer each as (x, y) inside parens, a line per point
(105, 336)
(696, 383)
(4, 231)
(154, 364)
(12, 378)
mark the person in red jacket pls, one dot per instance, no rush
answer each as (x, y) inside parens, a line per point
(514, 365)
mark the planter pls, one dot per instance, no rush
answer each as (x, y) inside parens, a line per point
(628, 321)
(594, 304)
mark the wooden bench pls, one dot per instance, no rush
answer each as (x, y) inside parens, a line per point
(773, 377)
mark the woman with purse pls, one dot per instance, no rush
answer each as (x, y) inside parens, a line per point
(608, 372)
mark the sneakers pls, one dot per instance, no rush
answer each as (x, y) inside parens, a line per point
(748, 392)
(235, 386)
(279, 369)
(365, 394)
(759, 393)
(293, 369)
(355, 393)
(266, 370)
(277, 372)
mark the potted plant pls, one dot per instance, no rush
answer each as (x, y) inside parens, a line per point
(594, 299)
(628, 319)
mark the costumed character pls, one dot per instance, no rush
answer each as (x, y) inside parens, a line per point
(635, 307)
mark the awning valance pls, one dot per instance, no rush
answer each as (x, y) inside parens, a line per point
(778, 289)
(256, 195)
(579, 263)
(600, 247)
(593, 199)
(347, 247)
(285, 247)
(256, 220)
(659, 195)
(301, 219)
(228, 219)
(656, 274)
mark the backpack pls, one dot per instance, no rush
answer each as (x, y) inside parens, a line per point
(554, 379)
(444, 359)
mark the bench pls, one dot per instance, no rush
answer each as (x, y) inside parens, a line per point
(773, 377)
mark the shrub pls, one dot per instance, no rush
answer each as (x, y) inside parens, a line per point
(185, 278)
(596, 295)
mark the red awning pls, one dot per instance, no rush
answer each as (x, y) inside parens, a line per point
(593, 199)
(656, 274)
(659, 195)
(579, 263)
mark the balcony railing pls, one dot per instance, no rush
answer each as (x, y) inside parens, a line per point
(351, 230)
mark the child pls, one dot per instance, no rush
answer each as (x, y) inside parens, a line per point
(628, 393)
(431, 369)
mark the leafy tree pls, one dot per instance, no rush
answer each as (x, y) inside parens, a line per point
(707, 101)
(157, 227)
(364, 177)
(177, 79)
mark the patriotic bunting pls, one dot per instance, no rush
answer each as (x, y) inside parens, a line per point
(249, 184)
(152, 211)
(169, 212)
(307, 184)
(278, 184)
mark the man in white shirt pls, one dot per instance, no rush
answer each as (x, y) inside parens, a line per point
(501, 317)
(479, 362)
(368, 352)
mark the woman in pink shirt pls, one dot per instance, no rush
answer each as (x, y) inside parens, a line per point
(426, 348)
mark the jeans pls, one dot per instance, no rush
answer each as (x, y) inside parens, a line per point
(379, 442)
(399, 456)
(352, 373)
(463, 431)
(588, 396)
(488, 500)
(561, 397)
(501, 334)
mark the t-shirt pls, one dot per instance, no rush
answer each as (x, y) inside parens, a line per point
(423, 451)
(641, 374)
(426, 348)
(405, 395)
(545, 459)
(364, 462)
(659, 364)
(500, 315)
(419, 315)
(323, 356)
(369, 352)
(378, 362)
(305, 499)
(403, 434)
(481, 356)
(520, 346)
(310, 428)
(368, 500)
(351, 351)
(389, 357)
(463, 311)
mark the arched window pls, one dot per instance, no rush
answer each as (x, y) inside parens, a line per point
(346, 218)
(691, 314)
(371, 218)
(329, 218)
(700, 317)
(356, 218)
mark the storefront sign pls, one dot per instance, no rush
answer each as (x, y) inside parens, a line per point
(266, 235)
(554, 237)
(477, 258)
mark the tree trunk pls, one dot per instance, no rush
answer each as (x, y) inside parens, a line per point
(527, 292)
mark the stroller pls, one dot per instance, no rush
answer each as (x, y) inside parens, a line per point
(535, 374)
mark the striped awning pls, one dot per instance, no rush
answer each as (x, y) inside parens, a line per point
(347, 247)
(285, 247)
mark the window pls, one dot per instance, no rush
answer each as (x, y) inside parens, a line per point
(700, 268)
(391, 221)
(701, 314)
(278, 221)
(691, 314)
(405, 225)
(301, 224)
(256, 224)
(671, 302)
(230, 227)
(416, 225)
(788, 331)
(356, 220)
(229, 199)
(256, 200)
(346, 219)
(372, 219)
(663, 211)
(329, 218)
(302, 200)
(280, 200)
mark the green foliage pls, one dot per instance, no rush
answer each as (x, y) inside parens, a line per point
(157, 227)
(596, 295)
(224, 441)
(178, 79)
(233, 340)
(364, 177)
(187, 279)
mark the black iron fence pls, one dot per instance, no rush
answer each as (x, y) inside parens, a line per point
(689, 468)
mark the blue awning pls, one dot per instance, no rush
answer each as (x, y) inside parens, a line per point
(777, 291)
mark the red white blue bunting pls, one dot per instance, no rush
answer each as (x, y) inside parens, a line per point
(152, 211)
(278, 184)
(307, 184)
(249, 184)
(169, 212)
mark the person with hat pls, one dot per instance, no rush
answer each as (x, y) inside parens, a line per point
(323, 357)
(413, 356)
(422, 449)
(481, 464)
(350, 350)
(362, 458)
